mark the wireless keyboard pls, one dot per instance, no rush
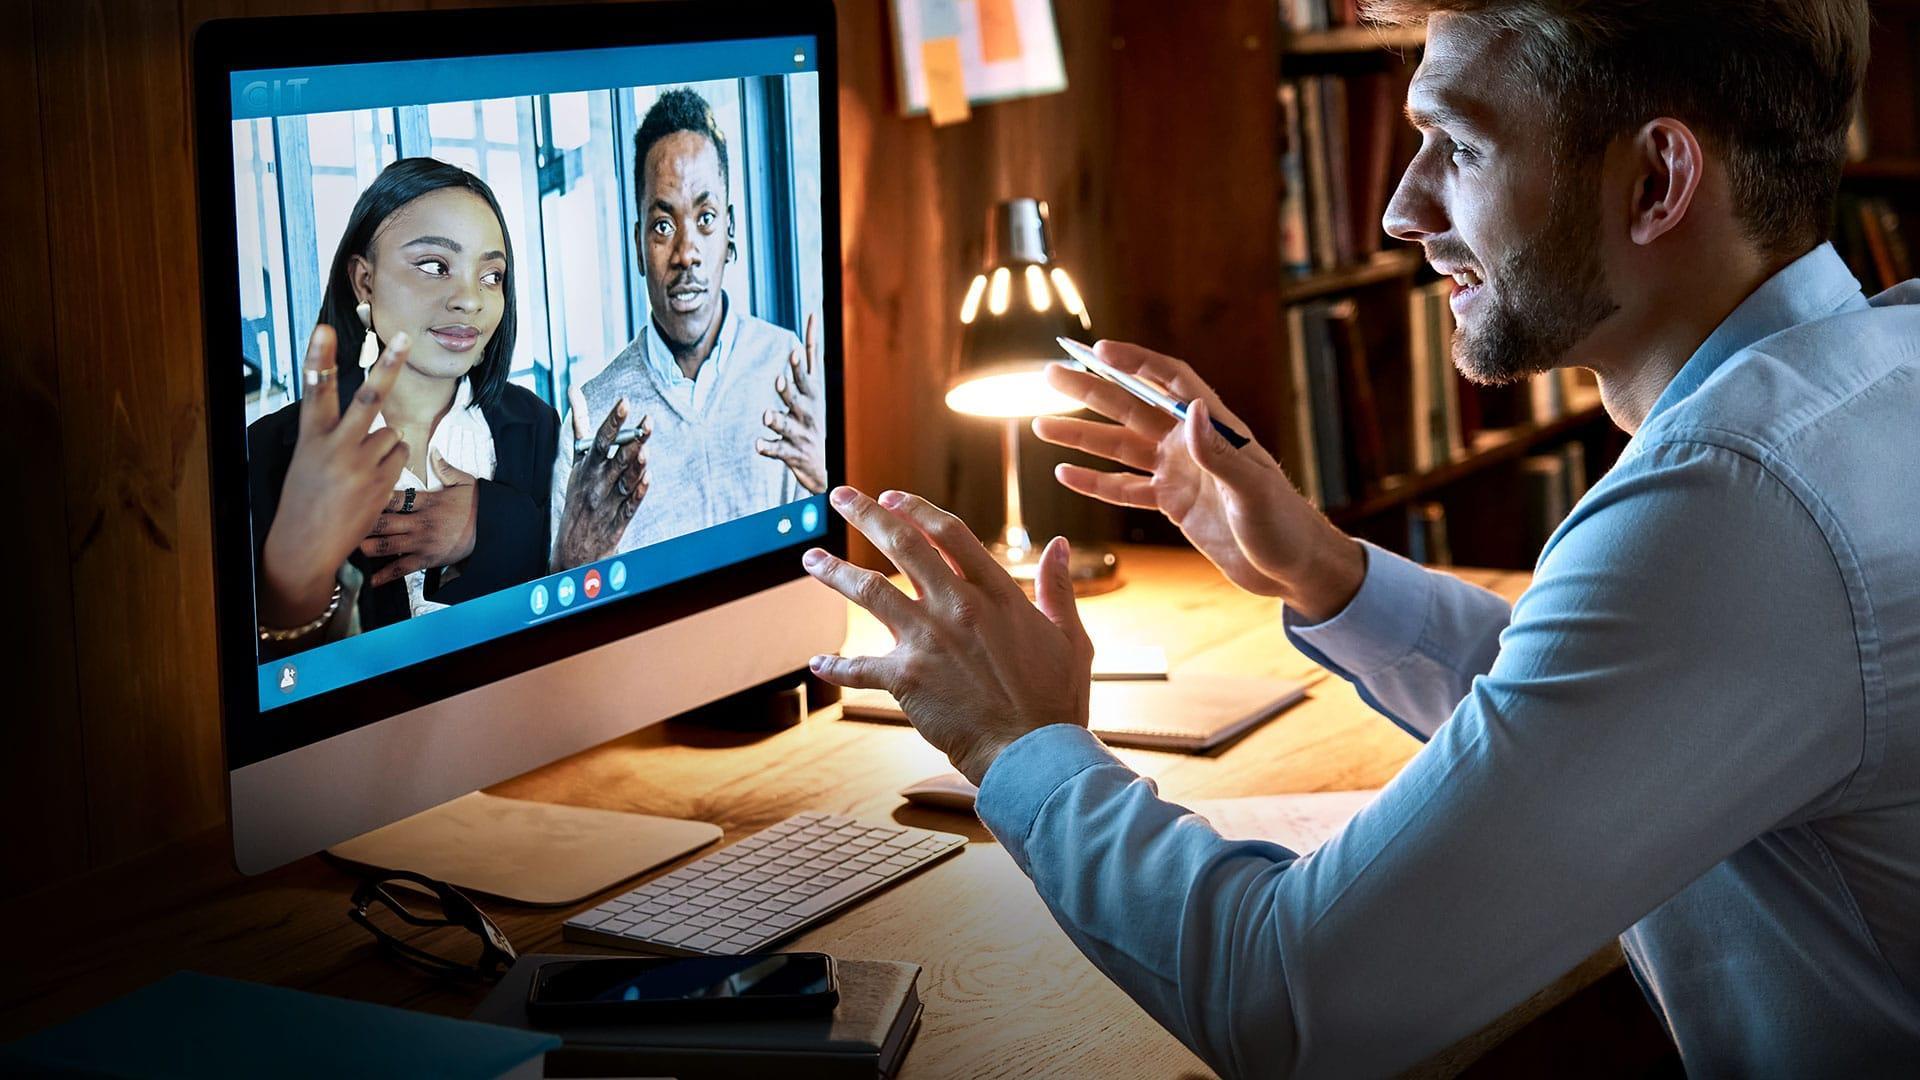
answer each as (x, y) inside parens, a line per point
(759, 890)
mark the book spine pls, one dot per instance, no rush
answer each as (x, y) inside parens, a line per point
(1421, 384)
(1329, 440)
(1296, 254)
(1319, 179)
(1307, 458)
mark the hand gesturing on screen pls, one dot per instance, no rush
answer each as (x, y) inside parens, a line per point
(438, 531)
(605, 488)
(339, 478)
(800, 429)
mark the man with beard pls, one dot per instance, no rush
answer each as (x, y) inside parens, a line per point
(1698, 731)
(728, 408)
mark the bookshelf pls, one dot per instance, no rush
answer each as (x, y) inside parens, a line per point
(1495, 447)
(1352, 39)
(1383, 266)
(1382, 433)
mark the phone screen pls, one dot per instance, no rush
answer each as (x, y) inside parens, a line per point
(671, 979)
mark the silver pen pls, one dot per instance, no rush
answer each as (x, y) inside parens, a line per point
(622, 438)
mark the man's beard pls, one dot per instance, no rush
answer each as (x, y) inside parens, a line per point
(1550, 293)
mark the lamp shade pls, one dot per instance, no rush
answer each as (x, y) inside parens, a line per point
(1014, 308)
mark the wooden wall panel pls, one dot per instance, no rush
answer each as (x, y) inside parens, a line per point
(1169, 234)
(125, 285)
(42, 783)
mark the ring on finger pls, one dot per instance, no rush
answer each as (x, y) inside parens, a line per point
(406, 502)
(317, 376)
(620, 485)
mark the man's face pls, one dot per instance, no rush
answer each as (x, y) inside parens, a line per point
(1485, 198)
(683, 235)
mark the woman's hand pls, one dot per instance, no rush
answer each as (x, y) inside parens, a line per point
(339, 478)
(604, 489)
(438, 531)
(1236, 506)
(800, 437)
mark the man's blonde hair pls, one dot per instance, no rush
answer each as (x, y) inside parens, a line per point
(1769, 84)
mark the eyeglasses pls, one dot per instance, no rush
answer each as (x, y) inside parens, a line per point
(496, 952)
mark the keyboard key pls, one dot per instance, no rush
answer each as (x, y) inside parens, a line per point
(702, 942)
(649, 929)
(813, 905)
(703, 921)
(674, 935)
(781, 922)
(591, 918)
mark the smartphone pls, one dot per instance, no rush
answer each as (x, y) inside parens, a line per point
(1140, 388)
(641, 989)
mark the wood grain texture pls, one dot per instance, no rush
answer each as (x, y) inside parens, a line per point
(42, 777)
(1007, 993)
(124, 279)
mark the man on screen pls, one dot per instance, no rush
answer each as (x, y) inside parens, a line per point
(727, 407)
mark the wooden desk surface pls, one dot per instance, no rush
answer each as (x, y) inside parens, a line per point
(1006, 993)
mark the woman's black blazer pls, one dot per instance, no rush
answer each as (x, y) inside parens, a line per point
(511, 530)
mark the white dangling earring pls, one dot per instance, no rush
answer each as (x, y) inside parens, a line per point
(369, 345)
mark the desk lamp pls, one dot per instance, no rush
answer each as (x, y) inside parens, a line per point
(1016, 306)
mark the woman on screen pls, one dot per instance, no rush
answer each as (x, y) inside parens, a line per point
(425, 253)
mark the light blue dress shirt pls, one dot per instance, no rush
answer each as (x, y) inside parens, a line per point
(705, 470)
(1698, 731)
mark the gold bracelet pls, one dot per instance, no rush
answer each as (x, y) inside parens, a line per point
(333, 605)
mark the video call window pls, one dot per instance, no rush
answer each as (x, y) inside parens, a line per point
(559, 166)
(698, 308)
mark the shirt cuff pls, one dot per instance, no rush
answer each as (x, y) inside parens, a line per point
(1380, 625)
(1027, 773)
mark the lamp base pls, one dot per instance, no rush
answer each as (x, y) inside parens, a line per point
(1093, 568)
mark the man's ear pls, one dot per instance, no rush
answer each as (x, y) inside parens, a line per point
(733, 250)
(1670, 166)
(360, 276)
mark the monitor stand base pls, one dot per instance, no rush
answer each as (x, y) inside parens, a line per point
(527, 852)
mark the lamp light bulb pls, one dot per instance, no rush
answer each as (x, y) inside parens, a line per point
(1037, 293)
(970, 307)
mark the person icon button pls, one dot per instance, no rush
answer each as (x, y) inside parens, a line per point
(537, 600)
(564, 592)
(617, 576)
(289, 678)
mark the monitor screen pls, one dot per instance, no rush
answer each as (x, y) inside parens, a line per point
(558, 234)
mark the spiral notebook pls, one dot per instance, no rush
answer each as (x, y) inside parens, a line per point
(1192, 712)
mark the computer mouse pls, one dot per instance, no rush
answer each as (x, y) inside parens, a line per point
(947, 791)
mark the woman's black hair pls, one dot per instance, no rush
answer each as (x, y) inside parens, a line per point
(397, 185)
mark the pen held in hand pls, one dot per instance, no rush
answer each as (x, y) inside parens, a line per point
(1139, 388)
(625, 436)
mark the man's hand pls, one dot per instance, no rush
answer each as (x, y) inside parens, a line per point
(800, 431)
(438, 531)
(339, 477)
(1236, 506)
(605, 488)
(975, 665)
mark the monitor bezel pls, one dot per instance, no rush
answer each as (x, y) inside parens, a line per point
(221, 47)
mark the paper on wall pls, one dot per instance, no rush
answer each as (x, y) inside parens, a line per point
(1005, 49)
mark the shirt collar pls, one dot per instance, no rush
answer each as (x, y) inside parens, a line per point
(1811, 287)
(660, 357)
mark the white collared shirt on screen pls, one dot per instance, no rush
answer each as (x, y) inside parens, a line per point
(463, 441)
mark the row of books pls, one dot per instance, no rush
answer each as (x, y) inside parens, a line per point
(1871, 235)
(1342, 142)
(1300, 15)
(1376, 405)
(1550, 484)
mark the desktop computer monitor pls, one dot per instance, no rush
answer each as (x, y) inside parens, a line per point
(562, 208)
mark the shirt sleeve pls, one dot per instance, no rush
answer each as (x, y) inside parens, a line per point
(557, 494)
(1411, 640)
(1654, 705)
